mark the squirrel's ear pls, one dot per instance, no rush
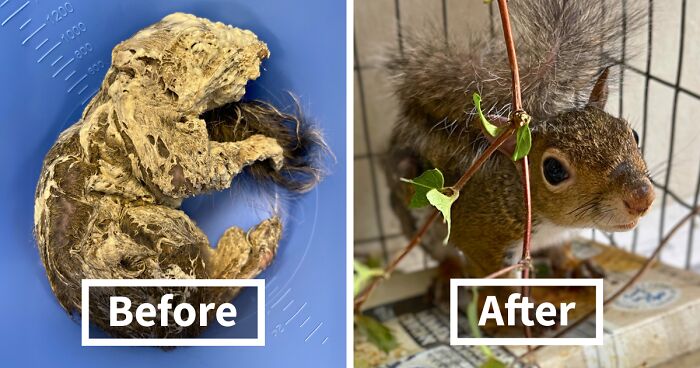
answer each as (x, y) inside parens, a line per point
(599, 94)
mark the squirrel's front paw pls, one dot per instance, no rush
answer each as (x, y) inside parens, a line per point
(562, 263)
(584, 269)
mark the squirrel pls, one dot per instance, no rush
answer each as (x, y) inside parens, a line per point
(587, 170)
(167, 123)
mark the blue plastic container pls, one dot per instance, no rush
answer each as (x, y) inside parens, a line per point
(54, 56)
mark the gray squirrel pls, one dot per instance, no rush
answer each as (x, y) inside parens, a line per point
(586, 168)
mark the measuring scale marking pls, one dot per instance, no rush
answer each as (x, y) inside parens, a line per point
(57, 60)
(48, 52)
(33, 33)
(64, 10)
(25, 24)
(41, 44)
(15, 13)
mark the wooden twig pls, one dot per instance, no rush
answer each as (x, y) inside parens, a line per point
(504, 271)
(362, 297)
(526, 258)
(510, 46)
(645, 267)
(517, 119)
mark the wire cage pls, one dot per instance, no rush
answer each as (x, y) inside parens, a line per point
(658, 93)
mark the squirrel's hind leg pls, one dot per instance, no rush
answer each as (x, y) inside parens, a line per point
(242, 255)
(142, 242)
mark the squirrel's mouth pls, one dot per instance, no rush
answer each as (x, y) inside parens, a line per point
(618, 227)
(627, 226)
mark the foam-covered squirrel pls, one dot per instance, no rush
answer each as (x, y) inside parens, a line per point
(166, 124)
(586, 168)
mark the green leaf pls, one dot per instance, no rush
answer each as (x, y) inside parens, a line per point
(377, 334)
(474, 326)
(493, 362)
(443, 203)
(431, 179)
(523, 142)
(363, 275)
(493, 130)
(471, 313)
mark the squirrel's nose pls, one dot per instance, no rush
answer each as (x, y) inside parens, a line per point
(640, 199)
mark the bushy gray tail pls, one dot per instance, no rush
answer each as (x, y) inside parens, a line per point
(562, 46)
(303, 144)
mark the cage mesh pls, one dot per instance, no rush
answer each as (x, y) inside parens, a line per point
(658, 92)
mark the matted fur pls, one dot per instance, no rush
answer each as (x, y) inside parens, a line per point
(301, 140)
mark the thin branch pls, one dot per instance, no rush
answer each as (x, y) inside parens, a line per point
(504, 271)
(528, 214)
(518, 119)
(526, 259)
(362, 297)
(510, 46)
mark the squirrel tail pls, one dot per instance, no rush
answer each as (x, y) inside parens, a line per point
(303, 144)
(562, 47)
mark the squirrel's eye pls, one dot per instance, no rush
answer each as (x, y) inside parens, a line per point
(554, 171)
(636, 136)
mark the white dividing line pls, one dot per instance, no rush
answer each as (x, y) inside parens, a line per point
(82, 89)
(314, 331)
(3, 3)
(287, 306)
(306, 320)
(33, 33)
(15, 13)
(48, 52)
(324, 340)
(76, 83)
(295, 314)
(70, 74)
(41, 44)
(25, 24)
(57, 60)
